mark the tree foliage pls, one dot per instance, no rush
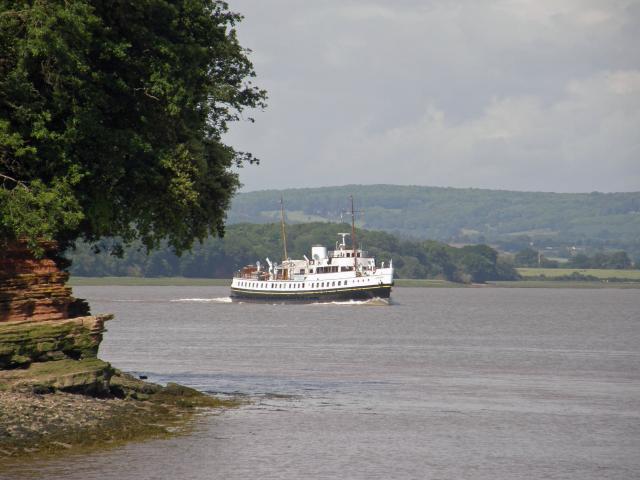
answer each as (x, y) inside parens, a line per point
(112, 115)
(612, 260)
(246, 243)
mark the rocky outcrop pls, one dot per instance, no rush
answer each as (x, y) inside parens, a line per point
(89, 376)
(48, 355)
(33, 288)
(26, 342)
(55, 355)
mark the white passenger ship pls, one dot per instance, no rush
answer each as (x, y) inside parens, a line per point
(342, 274)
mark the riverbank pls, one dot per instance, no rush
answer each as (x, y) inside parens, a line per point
(39, 421)
(401, 282)
(56, 395)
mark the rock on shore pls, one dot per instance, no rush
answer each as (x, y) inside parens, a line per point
(55, 393)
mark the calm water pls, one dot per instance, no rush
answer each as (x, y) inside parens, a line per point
(444, 384)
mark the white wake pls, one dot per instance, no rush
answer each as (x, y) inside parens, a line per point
(371, 302)
(204, 300)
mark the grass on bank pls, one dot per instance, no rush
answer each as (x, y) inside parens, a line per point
(563, 284)
(533, 281)
(602, 274)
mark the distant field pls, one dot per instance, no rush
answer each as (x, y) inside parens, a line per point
(603, 274)
(564, 284)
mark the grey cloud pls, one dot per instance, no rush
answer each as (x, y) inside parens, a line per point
(530, 95)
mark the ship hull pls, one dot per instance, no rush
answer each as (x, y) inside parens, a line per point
(313, 296)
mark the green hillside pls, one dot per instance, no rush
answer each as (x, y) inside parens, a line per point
(507, 218)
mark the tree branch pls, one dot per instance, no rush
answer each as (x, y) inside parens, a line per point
(144, 90)
(17, 182)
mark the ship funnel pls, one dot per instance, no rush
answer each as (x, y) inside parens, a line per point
(318, 252)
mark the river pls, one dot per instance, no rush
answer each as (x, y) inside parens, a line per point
(469, 383)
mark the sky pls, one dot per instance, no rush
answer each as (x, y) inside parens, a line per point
(533, 95)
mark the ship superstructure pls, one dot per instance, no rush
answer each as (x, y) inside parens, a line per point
(346, 273)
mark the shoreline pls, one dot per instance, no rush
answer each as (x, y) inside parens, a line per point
(400, 283)
(41, 424)
(57, 396)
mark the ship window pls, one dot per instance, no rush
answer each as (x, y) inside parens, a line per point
(333, 284)
(339, 283)
(322, 284)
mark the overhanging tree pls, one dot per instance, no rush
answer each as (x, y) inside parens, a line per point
(112, 115)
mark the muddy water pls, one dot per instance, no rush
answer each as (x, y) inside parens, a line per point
(444, 383)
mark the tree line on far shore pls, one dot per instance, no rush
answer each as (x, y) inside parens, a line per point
(620, 260)
(244, 244)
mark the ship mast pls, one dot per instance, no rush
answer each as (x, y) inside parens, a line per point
(353, 237)
(284, 233)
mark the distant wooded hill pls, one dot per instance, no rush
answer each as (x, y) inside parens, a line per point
(509, 219)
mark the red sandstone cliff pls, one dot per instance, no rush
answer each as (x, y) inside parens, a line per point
(34, 288)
